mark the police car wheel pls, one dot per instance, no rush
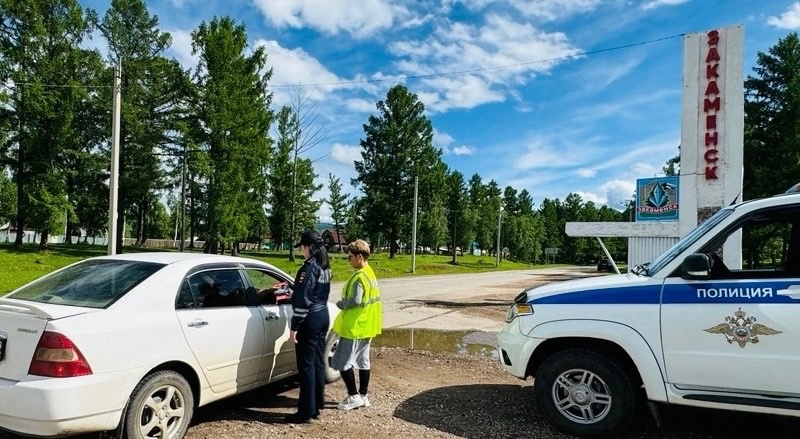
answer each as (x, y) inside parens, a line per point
(584, 393)
(331, 375)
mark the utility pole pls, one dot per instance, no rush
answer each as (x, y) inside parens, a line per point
(414, 230)
(114, 180)
(183, 200)
(455, 220)
(497, 253)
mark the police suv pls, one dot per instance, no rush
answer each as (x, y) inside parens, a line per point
(683, 329)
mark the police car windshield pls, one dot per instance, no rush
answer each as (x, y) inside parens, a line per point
(687, 241)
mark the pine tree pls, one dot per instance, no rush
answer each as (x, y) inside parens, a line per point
(397, 147)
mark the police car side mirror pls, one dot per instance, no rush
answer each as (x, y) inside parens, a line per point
(696, 266)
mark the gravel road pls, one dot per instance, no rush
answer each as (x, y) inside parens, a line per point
(418, 394)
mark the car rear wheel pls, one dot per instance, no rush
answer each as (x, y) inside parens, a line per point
(331, 375)
(584, 393)
(161, 406)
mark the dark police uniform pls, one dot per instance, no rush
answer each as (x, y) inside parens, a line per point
(310, 319)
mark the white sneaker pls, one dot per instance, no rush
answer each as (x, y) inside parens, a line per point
(351, 402)
(366, 401)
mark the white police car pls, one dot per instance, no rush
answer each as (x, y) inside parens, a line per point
(684, 329)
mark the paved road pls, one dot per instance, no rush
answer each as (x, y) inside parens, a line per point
(451, 301)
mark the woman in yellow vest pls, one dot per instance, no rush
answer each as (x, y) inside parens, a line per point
(358, 322)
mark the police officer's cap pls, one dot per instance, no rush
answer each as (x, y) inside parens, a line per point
(308, 238)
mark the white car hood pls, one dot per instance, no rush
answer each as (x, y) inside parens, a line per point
(588, 284)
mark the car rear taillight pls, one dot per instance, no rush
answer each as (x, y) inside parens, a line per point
(56, 356)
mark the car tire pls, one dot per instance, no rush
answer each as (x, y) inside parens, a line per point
(584, 393)
(161, 401)
(331, 375)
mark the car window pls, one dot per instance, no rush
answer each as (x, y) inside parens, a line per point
(270, 289)
(687, 241)
(92, 283)
(769, 242)
(218, 288)
(185, 298)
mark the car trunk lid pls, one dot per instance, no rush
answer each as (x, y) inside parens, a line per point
(21, 326)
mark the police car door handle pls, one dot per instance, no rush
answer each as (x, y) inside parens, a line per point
(197, 323)
(271, 316)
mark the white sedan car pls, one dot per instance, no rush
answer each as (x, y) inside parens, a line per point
(134, 343)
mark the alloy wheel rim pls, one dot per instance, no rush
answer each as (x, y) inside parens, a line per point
(163, 413)
(581, 396)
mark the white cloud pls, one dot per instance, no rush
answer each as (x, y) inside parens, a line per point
(543, 154)
(543, 9)
(653, 4)
(594, 198)
(586, 172)
(360, 105)
(181, 48)
(788, 20)
(295, 66)
(602, 161)
(344, 154)
(519, 48)
(464, 150)
(359, 18)
(180, 3)
(554, 9)
(441, 139)
(618, 191)
(624, 107)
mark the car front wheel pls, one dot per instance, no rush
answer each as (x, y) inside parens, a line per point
(331, 375)
(161, 406)
(584, 393)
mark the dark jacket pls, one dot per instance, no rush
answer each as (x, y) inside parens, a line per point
(312, 286)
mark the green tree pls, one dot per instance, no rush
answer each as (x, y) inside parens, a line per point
(232, 109)
(673, 165)
(772, 130)
(308, 133)
(551, 212)
(432, 215)
(281, 179)
(338, 201)
(40, 45)
(8, 198)
(458, 212)
(772, 120)
(354, 221)
(153, 90)
(396, 148)
(489, 215)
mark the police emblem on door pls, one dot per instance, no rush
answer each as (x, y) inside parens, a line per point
(741, 329)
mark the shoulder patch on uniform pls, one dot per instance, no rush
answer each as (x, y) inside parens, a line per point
(302, 277)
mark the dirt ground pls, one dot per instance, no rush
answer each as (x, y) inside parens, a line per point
(417, 394)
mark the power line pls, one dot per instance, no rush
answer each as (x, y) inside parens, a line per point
(480, 69)
(403, 77)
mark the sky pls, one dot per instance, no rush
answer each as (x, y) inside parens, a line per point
(552, 96)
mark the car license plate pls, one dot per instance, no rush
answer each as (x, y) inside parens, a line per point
(3, 342)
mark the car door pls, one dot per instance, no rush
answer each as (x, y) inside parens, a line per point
(273, 294)
(223, 328)
(738, 331)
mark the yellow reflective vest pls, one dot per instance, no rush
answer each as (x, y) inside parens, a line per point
(366, 319)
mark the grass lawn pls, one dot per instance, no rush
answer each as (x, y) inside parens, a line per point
(19, 266)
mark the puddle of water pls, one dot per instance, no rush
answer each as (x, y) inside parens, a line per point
(462, 342)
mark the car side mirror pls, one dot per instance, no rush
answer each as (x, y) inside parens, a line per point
(696, 266)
